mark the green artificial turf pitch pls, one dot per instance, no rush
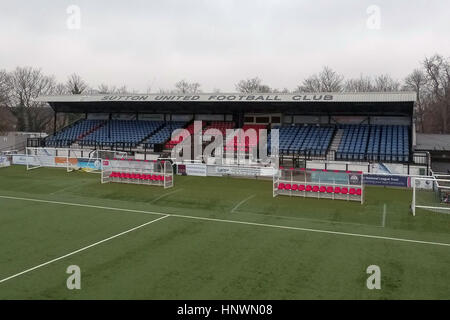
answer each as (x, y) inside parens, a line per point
(224, 238)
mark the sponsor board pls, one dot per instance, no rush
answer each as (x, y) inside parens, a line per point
(239, 171)
(83, 163)
(45, 161)
(196, 169)
(387, 180)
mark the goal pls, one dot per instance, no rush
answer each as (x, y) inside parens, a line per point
(41, 157)
(72, 159)
(431, 194)
(5, 161)
(90, 161)
(320, 184)
(145, 172)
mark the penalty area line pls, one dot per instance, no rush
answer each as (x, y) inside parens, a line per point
(360, 235)
(82, 249)
(241, 203)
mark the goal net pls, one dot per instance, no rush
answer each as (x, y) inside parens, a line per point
(431, 194)
(41, 157)
(90, 161)
(321, 184)
(72, 159)
(155, 172)
(5, 161)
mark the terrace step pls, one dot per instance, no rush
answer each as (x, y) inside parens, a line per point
(335, 144)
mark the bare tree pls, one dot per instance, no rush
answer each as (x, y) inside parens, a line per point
(60, 89)
(7, 120)
(327, 80)
(437, 70)
(106, 89)
(417, 81)
(361, 84)
(253, 85)
(384, 82)
(103, 89)
(26, 84)
(284, 90)
(4, 89)
(184, 87)
(75, 84)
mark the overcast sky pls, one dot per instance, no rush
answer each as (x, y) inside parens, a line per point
(155, 43)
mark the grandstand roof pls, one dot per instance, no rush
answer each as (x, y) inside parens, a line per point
(392, 103)
(433, 142)
(402, 96)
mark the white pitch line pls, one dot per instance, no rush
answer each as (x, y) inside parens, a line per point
(310, 219)
(383, 221)
(240, 222)
(83, 205)
(241, 203)
(81, 249)
(164, 195)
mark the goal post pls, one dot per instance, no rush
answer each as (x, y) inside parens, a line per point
(320, 184)
(431, 194)
(71, 159)
(40, 157)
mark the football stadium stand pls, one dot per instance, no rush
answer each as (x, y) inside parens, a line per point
(346, 127)
(304, 139)
(243, 142)
(358, 142)
(164, 134)
(180, 137)
(222, 126)
(128, 132)
(76, 131)
(375, 142)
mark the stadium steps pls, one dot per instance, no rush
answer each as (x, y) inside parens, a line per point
(331, 154)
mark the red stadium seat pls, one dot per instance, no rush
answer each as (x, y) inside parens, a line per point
(352, 191)
(315, 189)
(344, 190)
(337, 190)
(280, 186)
(330, 189)
(301, 187)
(323, 189)
(308, 188)
(358, 192)
(294, 187)
(287, 186)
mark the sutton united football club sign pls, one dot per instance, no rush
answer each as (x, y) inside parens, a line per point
(223, 97)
